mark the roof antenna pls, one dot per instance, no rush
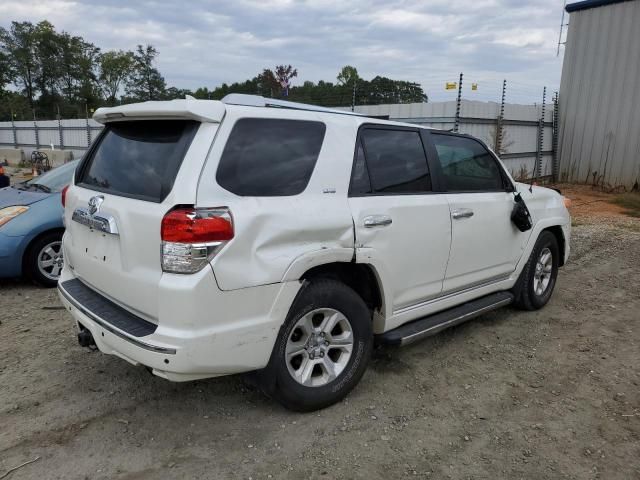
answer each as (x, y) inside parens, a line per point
(562, 25)
(538, 164)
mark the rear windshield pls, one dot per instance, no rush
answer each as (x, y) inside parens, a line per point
(138, 159)
(268, 157)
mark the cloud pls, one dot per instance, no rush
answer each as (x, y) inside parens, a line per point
(206, 43)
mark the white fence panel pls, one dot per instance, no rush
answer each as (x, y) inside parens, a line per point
(479, 119)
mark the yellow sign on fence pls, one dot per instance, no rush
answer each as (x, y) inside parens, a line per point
(474, 86)
(451, 85)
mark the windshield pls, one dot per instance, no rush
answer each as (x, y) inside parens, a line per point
(54, 180)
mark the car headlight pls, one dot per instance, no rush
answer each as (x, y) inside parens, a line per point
(8, 213)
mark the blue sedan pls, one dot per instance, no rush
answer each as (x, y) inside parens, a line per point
(31, 226)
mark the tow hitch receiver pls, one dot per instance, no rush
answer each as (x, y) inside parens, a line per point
(85, 339)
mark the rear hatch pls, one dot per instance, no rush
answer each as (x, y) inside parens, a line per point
(135, 173)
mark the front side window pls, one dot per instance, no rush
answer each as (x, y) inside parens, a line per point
(270, 157)
(396, 161)
(466, 165)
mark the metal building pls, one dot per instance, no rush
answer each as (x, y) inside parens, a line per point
(599, 127)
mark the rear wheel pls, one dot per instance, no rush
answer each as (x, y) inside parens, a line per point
(323, 348)
(44, 259)
(538, 278)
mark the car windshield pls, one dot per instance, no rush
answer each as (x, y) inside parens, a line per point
(54, 180)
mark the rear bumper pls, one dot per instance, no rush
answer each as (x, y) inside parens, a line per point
(217, 333)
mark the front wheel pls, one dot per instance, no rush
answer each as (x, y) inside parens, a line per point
(323, 347)
(538, 278)
(44, 259)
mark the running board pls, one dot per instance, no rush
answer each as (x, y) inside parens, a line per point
(427, 326)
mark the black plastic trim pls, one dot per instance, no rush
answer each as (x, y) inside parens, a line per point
(110, 316)
(427, 326)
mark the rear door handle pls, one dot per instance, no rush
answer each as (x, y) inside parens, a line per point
(462, 213)
(377, 221)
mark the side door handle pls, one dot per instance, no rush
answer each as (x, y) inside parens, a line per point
(462, 213)
(377, 221)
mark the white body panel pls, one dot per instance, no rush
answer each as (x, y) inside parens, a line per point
(485, 246)
(412, 250)
(272, 233)
(225, 318)
(126, 267)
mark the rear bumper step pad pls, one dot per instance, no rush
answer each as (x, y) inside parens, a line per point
(427, 326)
(91, 301)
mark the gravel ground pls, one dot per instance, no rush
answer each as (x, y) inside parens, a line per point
(517, 395)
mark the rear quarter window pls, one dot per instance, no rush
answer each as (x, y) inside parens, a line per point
(138, 159)
(270, 157)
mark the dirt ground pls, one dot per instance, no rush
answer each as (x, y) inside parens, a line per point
(552, 394)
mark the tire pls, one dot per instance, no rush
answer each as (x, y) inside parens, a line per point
(535, 285)
(43, 260)
(309, 374)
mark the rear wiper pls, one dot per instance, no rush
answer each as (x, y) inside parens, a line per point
(41, 187)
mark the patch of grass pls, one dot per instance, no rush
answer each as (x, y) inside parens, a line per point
(630, 202)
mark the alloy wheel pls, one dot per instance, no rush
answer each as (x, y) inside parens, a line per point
(319, 347)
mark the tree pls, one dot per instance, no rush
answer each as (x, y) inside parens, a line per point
(77, 68)
(47, 56)
(145, 81)
(283, 75)
(348, 75)
(173, 93)
(7, 73)
(267, 83)
(114, 68)
(19, 43)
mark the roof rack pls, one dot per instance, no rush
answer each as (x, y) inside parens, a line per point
(258, 101)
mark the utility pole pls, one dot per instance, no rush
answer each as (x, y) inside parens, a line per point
(13, 128)
(61, 140)
(556, 117)
(538, 168)
(35, 130)
(456, 124)
(86, 116)
(353, 97)
(499, 127)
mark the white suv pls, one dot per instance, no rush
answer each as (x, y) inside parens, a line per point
(208, 238)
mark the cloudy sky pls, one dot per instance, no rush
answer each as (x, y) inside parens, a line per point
(206, 43)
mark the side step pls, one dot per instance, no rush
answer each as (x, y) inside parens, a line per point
(427, 326)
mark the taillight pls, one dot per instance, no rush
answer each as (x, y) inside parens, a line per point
(63, 197)
(192, 236)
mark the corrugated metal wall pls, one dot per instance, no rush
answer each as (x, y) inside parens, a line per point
(599, 128)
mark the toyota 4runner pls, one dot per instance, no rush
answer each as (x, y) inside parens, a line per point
(208, 238)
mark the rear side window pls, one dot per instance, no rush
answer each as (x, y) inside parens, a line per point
(270, 157)
(396, 161)
(466, 165)
(360, 183)
(138, 159)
